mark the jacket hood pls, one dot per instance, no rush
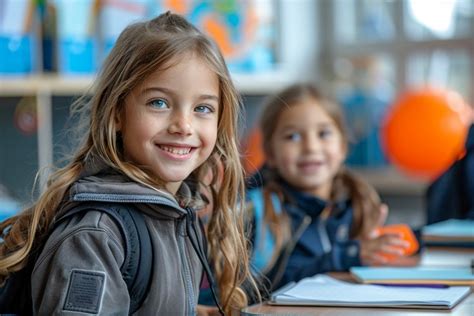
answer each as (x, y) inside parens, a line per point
(102, 183)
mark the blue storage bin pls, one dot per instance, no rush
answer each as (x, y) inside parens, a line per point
(77, 56)
(18, 45)
(76, 36)
(364, 111)
(17, 54)
(115, 16)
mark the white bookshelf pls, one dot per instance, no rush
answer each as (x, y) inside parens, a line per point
(45, 87)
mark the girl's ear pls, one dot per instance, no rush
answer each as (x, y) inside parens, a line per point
(118, 121)
(345, 149)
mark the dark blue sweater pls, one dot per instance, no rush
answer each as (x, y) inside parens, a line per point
(452, 194)
(317, 245)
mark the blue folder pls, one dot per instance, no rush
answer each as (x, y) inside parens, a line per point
(414, 275)
(452, 232)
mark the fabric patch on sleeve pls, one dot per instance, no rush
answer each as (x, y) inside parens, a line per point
(85, 291)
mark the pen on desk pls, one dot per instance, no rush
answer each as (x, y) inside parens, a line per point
(432, 286)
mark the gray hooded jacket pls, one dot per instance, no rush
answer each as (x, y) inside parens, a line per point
(78, 271)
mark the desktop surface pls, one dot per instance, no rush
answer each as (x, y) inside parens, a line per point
(430, 257)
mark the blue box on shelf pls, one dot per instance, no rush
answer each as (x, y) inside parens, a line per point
(77, 56)
(115, 16)
(18, 42)
(77, 42)
(17, 54)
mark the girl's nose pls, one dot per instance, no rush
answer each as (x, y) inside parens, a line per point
(180, 124)
(312, 143)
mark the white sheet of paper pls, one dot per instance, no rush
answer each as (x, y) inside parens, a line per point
(322, 288)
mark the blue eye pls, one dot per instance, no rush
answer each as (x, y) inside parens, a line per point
(294, 137)
(325, 133)
(203, 109)
(159, 104)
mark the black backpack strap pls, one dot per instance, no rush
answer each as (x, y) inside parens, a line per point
(197, 244)
(137, 267)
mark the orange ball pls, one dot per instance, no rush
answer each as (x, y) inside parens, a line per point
(425, 130)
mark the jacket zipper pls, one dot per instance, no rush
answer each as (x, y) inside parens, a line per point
(289, 248)
(189, 292)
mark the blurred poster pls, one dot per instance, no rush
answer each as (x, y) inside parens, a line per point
(245, 30)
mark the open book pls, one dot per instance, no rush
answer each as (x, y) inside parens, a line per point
(453, 232)
(322, 290)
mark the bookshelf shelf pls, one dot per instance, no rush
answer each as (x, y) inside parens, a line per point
(392, 181)
(45, 86)
(36, 84)
(55, 84)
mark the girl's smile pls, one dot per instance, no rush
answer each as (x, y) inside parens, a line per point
(310, 166)
(176, 151)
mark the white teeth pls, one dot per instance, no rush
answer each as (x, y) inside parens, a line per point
(176, 151)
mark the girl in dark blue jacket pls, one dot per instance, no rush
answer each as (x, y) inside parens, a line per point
(311, 215)
(451, 194)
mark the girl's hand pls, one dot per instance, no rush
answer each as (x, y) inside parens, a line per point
(372, 221)
(203, 310)
(372, 250)
(373, 246)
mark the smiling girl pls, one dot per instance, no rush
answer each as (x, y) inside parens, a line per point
(312, 215)
(163, 112)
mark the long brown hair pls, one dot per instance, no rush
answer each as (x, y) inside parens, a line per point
(142, 49)
(346, 184)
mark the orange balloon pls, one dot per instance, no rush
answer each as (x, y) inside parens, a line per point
(425, 131)
(254, 157)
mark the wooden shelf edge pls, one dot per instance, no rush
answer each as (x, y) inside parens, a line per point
(263, 84)
(37, 84)
(392, 181)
